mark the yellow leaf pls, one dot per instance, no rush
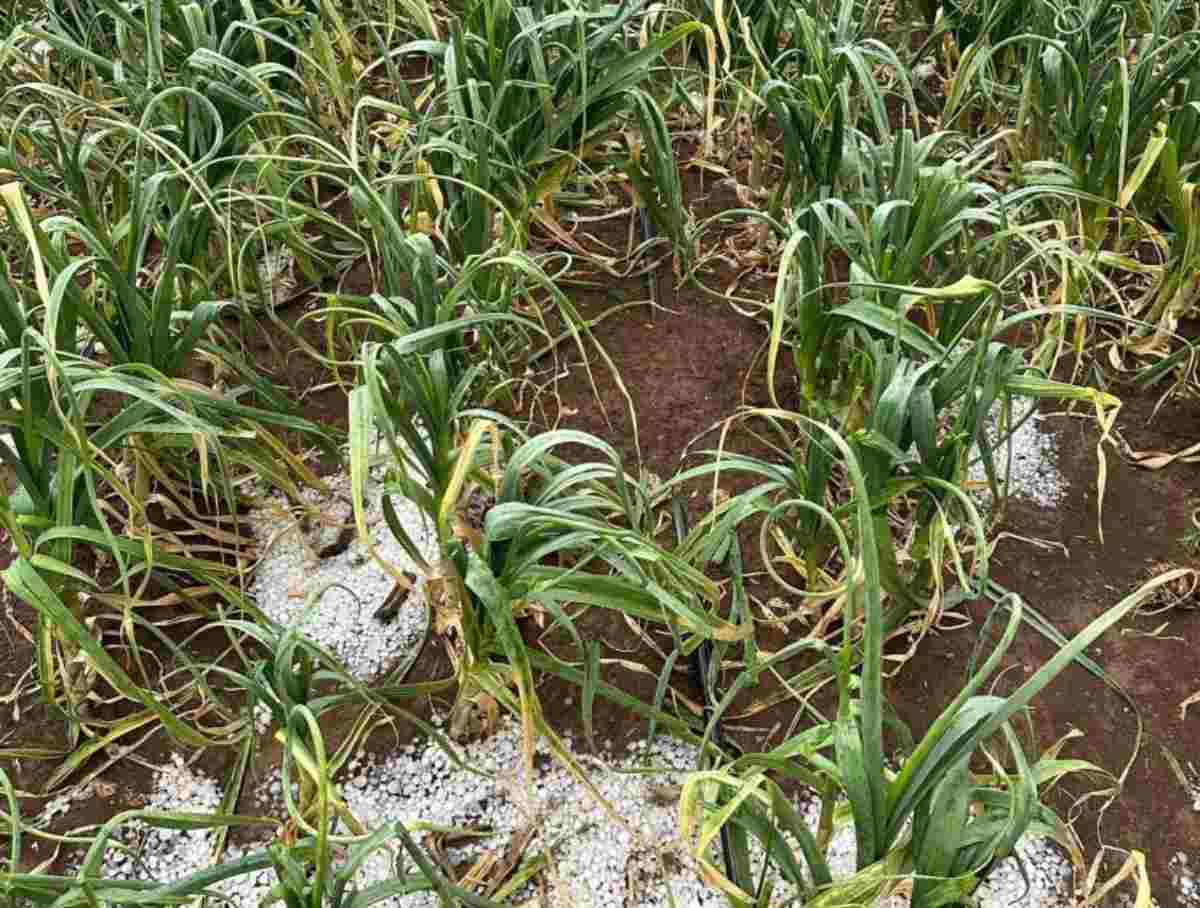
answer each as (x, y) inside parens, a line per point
(14, 201)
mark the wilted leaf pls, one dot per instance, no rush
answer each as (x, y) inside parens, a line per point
(1156, 460)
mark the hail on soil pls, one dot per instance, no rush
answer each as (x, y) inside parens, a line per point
(594, 861)
(351, 585)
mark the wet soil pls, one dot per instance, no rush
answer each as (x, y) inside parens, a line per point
(1071, 577)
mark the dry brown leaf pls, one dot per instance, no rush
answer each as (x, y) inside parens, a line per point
(513, 853)
(1156, 460)
(183, 597)
(546, 220)
(447, 616)
(1193, 700)
(466, 533)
